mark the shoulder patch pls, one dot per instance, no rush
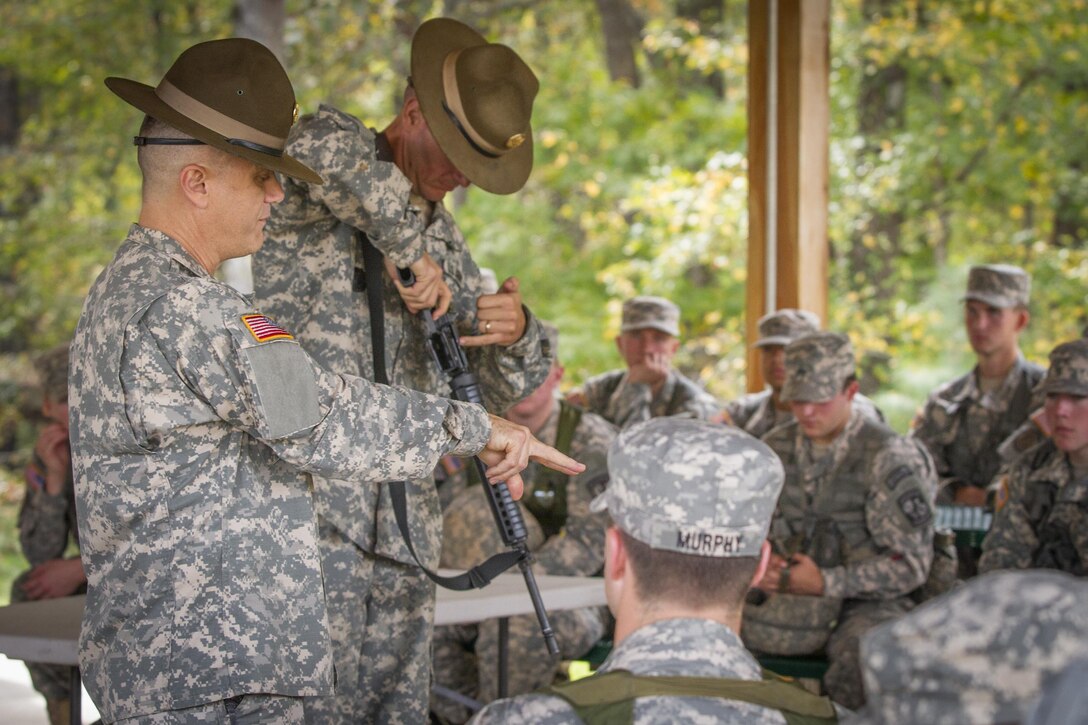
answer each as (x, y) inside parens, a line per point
(264, 329)
(895, 477)
(915, 508)
(1001, 496)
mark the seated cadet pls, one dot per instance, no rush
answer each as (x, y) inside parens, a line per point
(566, 538)
(47, 524)
(985, 653)
(855, 519)
(965, 420)
(1041, 519)
(690, 502)
(650, 386)
(757, 413)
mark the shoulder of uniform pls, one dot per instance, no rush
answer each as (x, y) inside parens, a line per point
(781, 437)
(951, 388)
(610, 378)
(594, 425)
(1038, 455)
(1033, 372)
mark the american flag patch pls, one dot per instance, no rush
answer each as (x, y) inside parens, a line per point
(264, 329)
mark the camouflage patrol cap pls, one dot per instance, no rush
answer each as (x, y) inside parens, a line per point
(981, 653)
(998, 285)
(693, 487)
(817, 365)
(52, 368)
(1068, 372)
(656, 313)
(784, 326)
(551, 332)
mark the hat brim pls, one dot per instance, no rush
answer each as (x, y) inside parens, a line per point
(434, 40)
(999, 301)
(661, 327)
(143, 97)
(773, 340)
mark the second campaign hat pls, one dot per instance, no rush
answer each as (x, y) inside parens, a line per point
(1068, 371)
(782, 327)
(691, 486)
(999, 285)
(231, 94)
(477, 98)
(817, 365)
(657, 313)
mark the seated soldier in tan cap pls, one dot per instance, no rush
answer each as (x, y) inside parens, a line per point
(987, 653)
(1041, 517)
(690, 502)
(966, 419)
(855, 518)
(196, 422)
(650, 386)
(757, 413)
(327, 271)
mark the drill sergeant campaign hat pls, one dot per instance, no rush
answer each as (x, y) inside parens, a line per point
(817, 365)
(981, 653)
(477, 98)
(784, 326)
(231, 94)
(693, 487)
(998, 285)
(1068, 371)
(640, 313)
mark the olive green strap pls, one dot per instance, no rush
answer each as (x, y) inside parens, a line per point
(609, 697)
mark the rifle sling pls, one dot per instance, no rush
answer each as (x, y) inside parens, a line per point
(480, 575)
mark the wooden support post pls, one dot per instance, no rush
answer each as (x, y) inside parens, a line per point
(794, 160)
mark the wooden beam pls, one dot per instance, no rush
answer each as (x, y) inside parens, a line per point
(800, 121)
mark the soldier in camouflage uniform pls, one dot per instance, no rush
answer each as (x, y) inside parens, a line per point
(1041, 519)
(965, 420)
(650, 386)
(690, 503)
(47, 523)
(855, 519)
(566, 538)
(983, 653)
(388, 187)
(195, 419)
(757, 413)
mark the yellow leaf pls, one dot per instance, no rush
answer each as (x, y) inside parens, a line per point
(956, 105)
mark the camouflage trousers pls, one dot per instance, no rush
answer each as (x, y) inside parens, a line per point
(843, 678)
(258, 709)
(466, 656)
(52, 681)
(381, 616)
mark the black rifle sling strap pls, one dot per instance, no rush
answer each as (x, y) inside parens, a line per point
(480, 575)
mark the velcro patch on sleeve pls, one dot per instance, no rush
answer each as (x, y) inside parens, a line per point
(915, 508)
(1001, 496)
(895, 477)
(264, 329)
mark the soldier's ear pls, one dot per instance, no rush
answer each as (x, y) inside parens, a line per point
(764, 562)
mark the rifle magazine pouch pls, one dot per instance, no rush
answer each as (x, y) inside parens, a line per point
(789, 624)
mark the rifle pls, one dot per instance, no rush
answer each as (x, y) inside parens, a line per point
(446, 350)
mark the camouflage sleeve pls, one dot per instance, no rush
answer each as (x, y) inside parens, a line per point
(359, 190)
(630, 403)
(931, 429)
(1011, 540)
(696, 402)
(536, 709)
(899, 516)
(43, 525)
(340, 427)
(597, 391)
(578, 550)
(508, 374)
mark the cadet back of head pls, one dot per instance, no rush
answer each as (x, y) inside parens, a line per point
(694, 495)
(818, 367)
(784, 326)
(1068, 371)
(998, 285)
(646, 312)
(982, 653)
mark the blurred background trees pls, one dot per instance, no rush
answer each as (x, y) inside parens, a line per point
(958, 136)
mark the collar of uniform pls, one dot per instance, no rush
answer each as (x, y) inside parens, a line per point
(686, 646)
(996, 399)
(168, 246)
(1056, 468)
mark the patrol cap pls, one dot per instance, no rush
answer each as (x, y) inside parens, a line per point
(52, 368)
(1068, 371)
(981, 653)
(657, 313)
(784, 326)
(817, 365)
(551, 332)
(998, 285)
(693, 487)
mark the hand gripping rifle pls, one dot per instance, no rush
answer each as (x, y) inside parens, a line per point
(445, 347)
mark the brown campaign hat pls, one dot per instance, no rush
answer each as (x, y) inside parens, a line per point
(231, 94)
(477, 99)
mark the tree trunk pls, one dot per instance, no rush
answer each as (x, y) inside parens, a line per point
(709, 15)
(263, 21)
(9, 107)
(622, 27)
